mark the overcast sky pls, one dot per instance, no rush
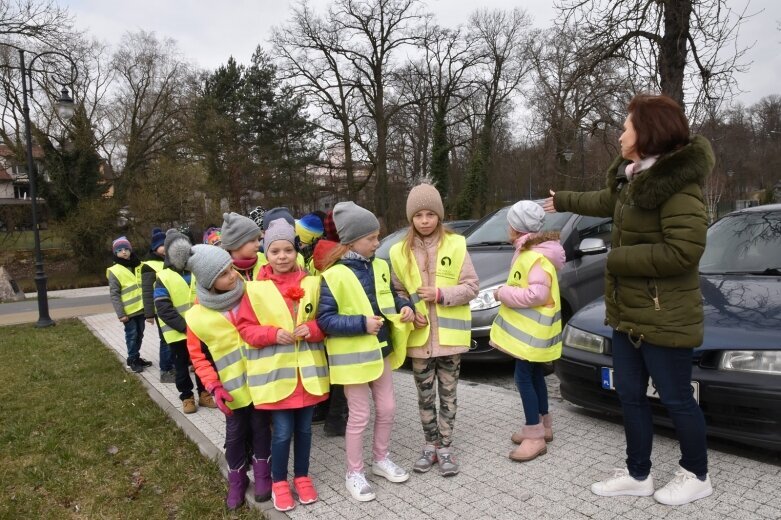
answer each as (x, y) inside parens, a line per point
(209, 32)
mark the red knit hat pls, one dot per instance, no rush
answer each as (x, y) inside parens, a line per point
(330, 228)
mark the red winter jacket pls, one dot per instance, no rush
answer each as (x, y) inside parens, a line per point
(258, 335)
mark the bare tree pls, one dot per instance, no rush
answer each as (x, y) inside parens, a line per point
(374, 32)
(680, 47)
(150, 101)
(449, 58)
(500, 42)
(571, 98)
(307, 49)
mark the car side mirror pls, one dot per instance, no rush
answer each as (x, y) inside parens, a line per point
(591, 246)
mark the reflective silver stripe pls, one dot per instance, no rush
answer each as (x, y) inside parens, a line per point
(414, 298)
(539, 317)
(235, 383)
(354, 358)
(273, 376)
(314, 372)
(129, 288)
(388, 310)
(182, 308)
(305, 346)
(131, 301)
(254, 354)
(227, 360)
(165, 328)
(452, 323)
(525, 338)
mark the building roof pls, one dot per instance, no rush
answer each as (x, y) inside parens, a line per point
(6, 151)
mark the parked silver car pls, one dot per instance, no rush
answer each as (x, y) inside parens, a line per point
(581, 280)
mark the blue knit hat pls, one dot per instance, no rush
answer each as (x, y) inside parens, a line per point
(158, 239)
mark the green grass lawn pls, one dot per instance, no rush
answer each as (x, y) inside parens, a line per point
(80, 437)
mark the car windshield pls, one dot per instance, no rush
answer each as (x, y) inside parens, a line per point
(747, 243)
(493, 230)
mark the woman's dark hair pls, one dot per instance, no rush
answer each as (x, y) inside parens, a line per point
(660, 124)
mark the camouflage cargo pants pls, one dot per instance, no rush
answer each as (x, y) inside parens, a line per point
(444, 370)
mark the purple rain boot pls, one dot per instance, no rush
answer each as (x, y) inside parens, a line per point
(237, 486)
(261, 469)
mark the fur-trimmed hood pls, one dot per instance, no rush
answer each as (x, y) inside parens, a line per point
(667, 176)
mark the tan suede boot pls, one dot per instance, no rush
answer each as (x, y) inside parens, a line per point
(533, 444)
(547, 423)
(206, 400)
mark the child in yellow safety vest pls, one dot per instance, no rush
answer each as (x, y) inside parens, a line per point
(528, 326)
(366, 325)
(433, 267)
(218, 355)
(286, 364)
(174, 293)
(124, 282)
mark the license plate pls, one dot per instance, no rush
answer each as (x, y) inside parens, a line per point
(607, 384)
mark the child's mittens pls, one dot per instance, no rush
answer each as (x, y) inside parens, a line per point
(221, 396)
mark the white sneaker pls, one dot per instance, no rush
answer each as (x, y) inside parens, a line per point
(388, 469)
(685, 487)
(623, 484)
(359, 487)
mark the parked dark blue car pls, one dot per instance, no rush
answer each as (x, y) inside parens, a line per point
(736, 376)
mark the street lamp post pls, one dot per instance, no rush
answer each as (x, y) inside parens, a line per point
(65, 110)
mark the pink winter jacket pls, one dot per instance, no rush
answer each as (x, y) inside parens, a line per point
(425, 252)
(539, 290)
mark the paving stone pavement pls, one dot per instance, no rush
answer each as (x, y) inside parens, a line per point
(584, 450)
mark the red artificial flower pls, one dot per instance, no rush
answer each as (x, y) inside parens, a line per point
(294, 293)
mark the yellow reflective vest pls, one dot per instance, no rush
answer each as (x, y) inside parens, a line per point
(533, 334)
(227, 350)
(156, 265)
(358, 359)
(454, 322)
(273, 371)
(182, 298)
(130, 281)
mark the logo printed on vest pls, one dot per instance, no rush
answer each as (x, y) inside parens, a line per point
(384, 278)
(446, 259)
(308, 308)
(517, 275)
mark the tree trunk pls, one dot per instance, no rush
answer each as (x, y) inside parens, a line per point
(674, 47)
(440, 151)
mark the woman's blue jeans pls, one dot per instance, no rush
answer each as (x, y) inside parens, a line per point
(530, 382)
(295, 425)
(671, 371)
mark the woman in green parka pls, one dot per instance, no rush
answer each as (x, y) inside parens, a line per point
(652, 288)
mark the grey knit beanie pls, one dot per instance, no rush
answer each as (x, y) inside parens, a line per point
(177, 249)
(526, 216)
(424, 196)
(237, 230)
(278, 229)
(354, 222)
(206, 262)
(275, 213)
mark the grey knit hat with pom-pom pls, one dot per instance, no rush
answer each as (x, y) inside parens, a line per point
(177, 249)
(206, 262)
(237, 230)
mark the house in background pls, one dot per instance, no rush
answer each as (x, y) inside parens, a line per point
(15, 211)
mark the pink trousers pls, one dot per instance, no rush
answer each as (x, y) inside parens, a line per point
(360, 411)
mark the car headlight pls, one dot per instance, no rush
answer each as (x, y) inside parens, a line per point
(484, 299)
(582, 340)
(762, 361)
